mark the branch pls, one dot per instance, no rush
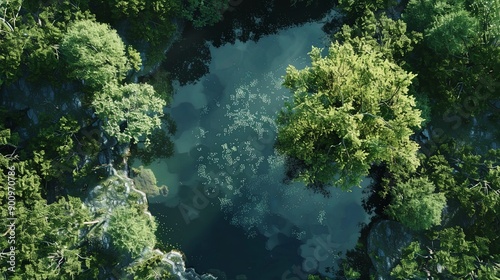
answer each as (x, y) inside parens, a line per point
(8, 24)
(92, 222)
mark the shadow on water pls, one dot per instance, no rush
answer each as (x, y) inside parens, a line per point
(222, 249)
(188, 60)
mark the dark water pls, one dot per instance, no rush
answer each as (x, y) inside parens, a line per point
(223, 249)
(227, 208)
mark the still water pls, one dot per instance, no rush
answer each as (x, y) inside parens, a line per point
(227, 207)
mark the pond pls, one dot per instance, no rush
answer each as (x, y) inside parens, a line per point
(228, 209)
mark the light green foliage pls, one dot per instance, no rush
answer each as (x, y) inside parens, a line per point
(51, 242)
(350, 273)
(48, 241)
(384, 34)
(151, 267)
(350, 110)
(416, 205)
(134, 58)
(129, 112)
(95, 53)
(131, 231)
(30, 34)
(202, 13)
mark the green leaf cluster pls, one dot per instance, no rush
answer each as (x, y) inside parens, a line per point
(388, 36)
(131, 232)
(95, 54)
(351, 109)
(204, 13)
(130, 111)
(416, 205)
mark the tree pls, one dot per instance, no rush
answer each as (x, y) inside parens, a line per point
(452, 33)
(203, 13)
(131, 231)
(350, 110)
(129, 111)
(355, 8)
(12, 41)
(95, 53)
(458, 59)
(450, 254)
(416, 205)
(384, 34)
(408, 267)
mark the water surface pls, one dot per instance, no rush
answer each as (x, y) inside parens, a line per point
(227, 207)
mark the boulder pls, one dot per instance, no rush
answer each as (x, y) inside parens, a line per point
(386, 241)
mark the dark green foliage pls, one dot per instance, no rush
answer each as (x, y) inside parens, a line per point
(202, 13)
(161, 147)
(148, 21)
(145, 180)
(55, 150)
(450, 255)
(451, 63)
(355, 9)
(452, 33)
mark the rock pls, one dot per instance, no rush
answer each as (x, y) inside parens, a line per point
(385, 243)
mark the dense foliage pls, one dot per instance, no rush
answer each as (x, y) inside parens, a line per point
(357, 109)
(448, 199)
(351, 109)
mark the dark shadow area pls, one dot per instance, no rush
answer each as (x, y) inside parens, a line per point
(189, 58)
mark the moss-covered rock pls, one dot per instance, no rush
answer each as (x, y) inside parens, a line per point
(145, 180)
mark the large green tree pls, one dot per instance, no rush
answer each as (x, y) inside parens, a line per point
(450, 254)
(350, 110)
(129, 112)
(95, 54)
(416, 205)
(458, 60)
(131, 231)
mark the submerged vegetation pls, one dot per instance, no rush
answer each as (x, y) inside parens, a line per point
(386, 101)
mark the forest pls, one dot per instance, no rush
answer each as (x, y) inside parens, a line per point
(407, 94)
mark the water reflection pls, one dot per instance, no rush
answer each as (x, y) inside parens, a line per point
(225, 161)
(189, 58)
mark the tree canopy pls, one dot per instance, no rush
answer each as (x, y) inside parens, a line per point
(350, 109)
(95, 53)
(130, 231)
(130, 111)
(416, 205)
